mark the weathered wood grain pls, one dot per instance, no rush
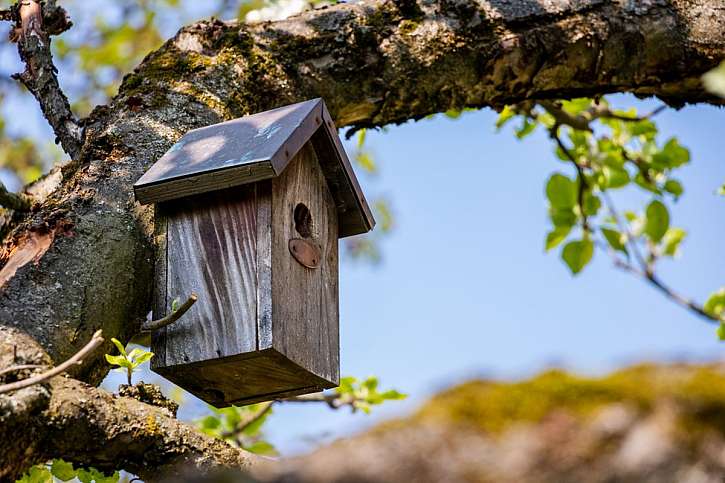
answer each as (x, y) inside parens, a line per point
(158, 338)
(305, 301)
(212, 251)
(264, 264)
(245, 379)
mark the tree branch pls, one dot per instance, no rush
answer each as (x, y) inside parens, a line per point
(77, 359)
(40, 75)
(17, 202)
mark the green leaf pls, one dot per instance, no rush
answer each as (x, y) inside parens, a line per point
(361, 135)
(671, 241)
(562, 217)
(577, 254)
(507, 113)
(62, 470)
(37, 474)
(561, 191)
(175, 304)
(674, 187)
(657, 221)
(721, 190)
(715, 304)
(721, 331)
(615, 239)
(672, 155)
(118, 361)
(556, 236)
(393, 395)
(592, 203)
(576, 106)
(615, 177)
(262, 448)
(526, 128)
(143, 358)
(371, 384)
(135, 353)
(118, 344)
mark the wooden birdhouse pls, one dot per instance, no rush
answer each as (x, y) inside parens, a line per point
(248, 214)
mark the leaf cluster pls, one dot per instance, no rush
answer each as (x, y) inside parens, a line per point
(64, 471)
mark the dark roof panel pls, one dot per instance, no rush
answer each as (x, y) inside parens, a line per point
(253, 148)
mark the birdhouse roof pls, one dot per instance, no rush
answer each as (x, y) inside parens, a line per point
(254, 148)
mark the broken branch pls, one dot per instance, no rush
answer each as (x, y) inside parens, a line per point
(77, 359)
(40, 75)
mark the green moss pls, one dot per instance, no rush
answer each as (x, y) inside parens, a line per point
(494, 406)
(407, 27)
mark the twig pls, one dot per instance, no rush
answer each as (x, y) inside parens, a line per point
(20, 368)
(244, 424)
(580, 174)
(668, 292)
(40, 75)
(647, 271)
(17, 202)
(171, 318)
(77, 359)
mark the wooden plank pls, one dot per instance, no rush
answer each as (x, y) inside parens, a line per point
(354, 215)
(245, 379)
(305, 301)
(212, 252)
(203, 183)
(231, 145)
(158, 337)
(264, 264)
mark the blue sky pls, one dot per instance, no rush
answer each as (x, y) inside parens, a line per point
(465, 288)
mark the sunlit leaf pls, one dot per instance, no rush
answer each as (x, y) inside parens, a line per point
(577, 254)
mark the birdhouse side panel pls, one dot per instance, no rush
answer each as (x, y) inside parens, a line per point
(212, 251)
(305, 293)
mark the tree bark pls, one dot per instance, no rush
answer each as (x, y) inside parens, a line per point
(83, 259)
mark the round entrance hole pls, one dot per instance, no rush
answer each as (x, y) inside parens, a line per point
(303, 220)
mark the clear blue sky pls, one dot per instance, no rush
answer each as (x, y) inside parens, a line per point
(465, 288)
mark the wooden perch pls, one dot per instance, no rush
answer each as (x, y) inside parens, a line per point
(171, 318)
(77, 359)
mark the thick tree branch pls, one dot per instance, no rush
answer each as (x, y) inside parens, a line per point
(40, 76)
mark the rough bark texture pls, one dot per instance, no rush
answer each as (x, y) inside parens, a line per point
(83, 260)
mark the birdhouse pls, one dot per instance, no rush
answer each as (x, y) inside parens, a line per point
(248, 214)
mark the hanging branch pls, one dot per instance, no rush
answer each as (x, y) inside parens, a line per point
(35, 23)
(646, 270)
(77, 359)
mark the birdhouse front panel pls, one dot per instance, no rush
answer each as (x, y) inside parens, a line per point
(248, 216)
(305, 295)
